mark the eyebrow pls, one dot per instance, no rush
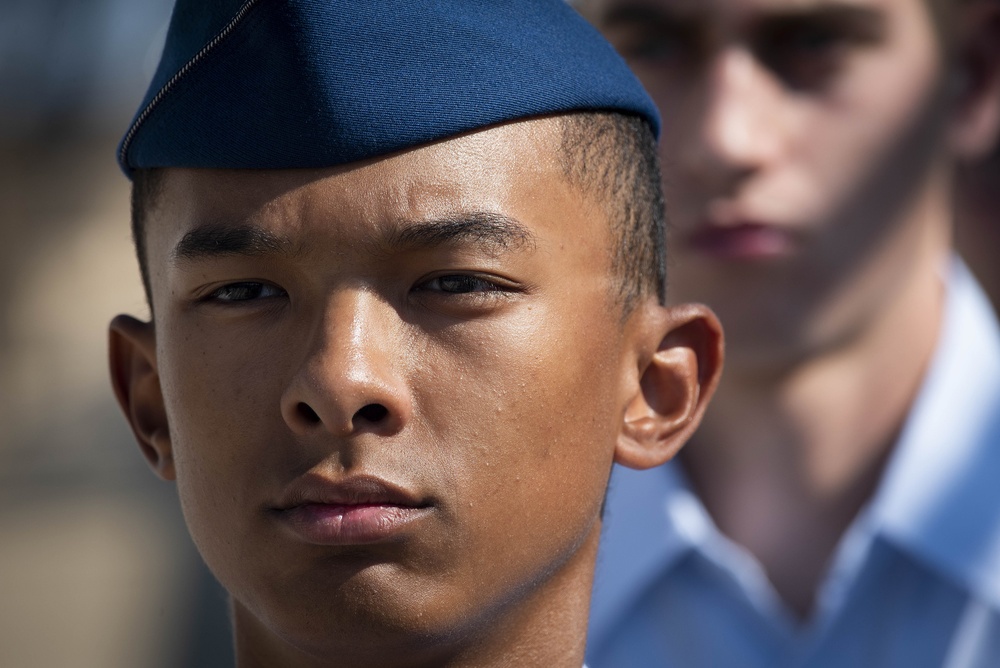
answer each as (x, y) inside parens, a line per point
(493, 231)
(844, 13)
(215, 240)
(867, 22)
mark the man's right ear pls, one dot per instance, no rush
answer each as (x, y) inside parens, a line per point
(136, 381)
(680, 362)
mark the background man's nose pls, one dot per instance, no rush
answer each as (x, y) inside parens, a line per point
(741, 128)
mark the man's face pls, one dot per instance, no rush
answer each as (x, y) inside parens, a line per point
(393, 390)
(802, 154)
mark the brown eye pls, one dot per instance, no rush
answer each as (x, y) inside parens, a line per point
(803, 58)
(810, 41)
(809, 51)
(245, 291)
(803, 54)
(460, 284)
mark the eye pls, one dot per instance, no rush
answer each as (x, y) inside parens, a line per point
(803, 58)
(244, 291)
(809, 52)
(811, 40)
(460, 284)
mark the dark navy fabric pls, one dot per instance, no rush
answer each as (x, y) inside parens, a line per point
(277, 84)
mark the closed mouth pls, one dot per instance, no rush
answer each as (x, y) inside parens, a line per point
(743, 241)
(353, 511)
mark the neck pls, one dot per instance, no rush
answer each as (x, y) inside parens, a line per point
(784, 461)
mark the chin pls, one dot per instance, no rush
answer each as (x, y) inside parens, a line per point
(358, 622)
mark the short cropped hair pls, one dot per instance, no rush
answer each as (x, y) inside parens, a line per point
(610, 157)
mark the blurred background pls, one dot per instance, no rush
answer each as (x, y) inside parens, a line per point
(977, 233)
(96, 568)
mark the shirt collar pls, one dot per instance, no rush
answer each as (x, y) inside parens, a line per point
(639, 542)
(939, 500)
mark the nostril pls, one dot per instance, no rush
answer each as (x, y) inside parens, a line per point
(372, 412)
(307, 413)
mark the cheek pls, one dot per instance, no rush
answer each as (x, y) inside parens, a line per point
(223, 403)
(218, 388)
(531, 425)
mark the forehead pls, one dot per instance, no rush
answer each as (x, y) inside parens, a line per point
(487, 170)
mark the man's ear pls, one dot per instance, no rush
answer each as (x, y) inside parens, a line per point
(976, 120)
(680, 361)
(132, 356)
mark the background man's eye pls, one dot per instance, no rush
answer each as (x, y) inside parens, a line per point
(811, 41)
(245, 291)
(804, 57)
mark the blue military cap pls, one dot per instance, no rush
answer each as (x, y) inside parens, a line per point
(275, 84)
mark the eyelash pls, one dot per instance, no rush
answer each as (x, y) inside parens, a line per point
(244, 291)
(475, 285)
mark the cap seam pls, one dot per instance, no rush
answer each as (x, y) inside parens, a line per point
(181, 73)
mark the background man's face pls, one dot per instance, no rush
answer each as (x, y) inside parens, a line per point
(801, 147)
(440, 321)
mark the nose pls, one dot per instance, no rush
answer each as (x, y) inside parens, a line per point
(350, 379)
(741, 126)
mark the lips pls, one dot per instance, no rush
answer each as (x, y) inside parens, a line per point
(359, 510)
(742, 241)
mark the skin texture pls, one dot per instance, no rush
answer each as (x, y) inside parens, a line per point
(808, 153)
(440, 320)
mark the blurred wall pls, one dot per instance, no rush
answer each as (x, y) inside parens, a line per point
(96, 568)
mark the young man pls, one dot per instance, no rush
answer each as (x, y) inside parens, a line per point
(839, 506)
(404, 261)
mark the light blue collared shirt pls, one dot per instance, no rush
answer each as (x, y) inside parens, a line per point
(914, 582)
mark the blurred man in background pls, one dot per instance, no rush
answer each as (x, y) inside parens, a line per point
(839, 506)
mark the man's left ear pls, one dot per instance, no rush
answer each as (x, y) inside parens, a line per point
(134, 377)
(680, 361)
(976, 119)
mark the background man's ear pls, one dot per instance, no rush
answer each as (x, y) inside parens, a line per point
(678, 376)
(976, 120)
(132, 356)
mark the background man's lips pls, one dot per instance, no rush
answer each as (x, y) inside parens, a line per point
(745, 241)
